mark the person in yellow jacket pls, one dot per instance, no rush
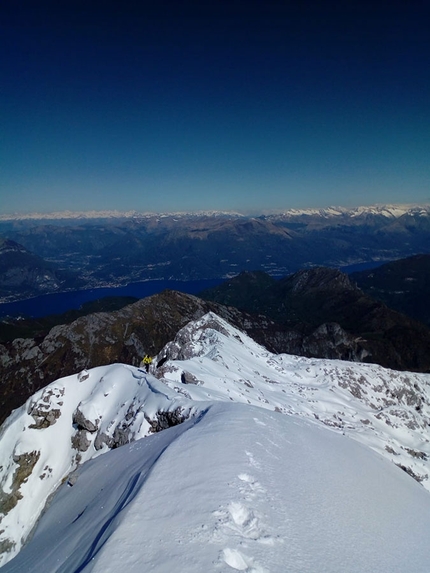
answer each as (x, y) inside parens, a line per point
(147, 360)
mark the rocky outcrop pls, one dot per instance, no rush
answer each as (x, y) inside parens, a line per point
(68, 423)
(102, 338)
(167, 419)
(47, 409)
(314, 313)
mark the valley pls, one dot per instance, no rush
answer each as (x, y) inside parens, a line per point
(119, 250)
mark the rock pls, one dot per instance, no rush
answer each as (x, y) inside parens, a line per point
(84, 423)
(188, 378)
(80, 441)
(164, 420)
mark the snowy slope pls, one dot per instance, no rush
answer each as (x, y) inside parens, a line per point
(65, 424)
(238, 489)
(384, 409)
(235, 489)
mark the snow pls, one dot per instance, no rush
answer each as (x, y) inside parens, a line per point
(238, 489)
(387, 410)
(390, 211)
(282, 463)
(104, 395)
(113, 214)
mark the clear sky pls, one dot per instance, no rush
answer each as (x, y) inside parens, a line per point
(159, 106)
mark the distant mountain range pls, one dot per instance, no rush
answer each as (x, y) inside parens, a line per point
(385, 210)
(114, 249)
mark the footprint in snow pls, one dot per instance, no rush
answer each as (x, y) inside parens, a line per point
(252, 461)
(243, 521)
(250, 486)
(241, 562)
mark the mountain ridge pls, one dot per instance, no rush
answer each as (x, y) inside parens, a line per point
(311, 298)
(390, 210)
(120, 251)
(403, 285)
(208, 364)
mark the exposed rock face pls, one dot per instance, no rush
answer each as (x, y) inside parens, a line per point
(24, 466)
(188, 378)
(320, 279)
(330, 340)
(208, 360)
(76, 418)
(314, 313)
(80, 441)
(84, 423)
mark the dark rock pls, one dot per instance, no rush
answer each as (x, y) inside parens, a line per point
(188, 378)
(25, 465)
(80, 441)
(164, 420)
(83, 423)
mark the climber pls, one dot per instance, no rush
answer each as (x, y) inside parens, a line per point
(147, 360)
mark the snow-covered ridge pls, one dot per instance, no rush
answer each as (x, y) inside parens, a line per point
(83, 416)
(67, 423)
(111, 215)
(238, 488)
(389, 211)
(385, 409)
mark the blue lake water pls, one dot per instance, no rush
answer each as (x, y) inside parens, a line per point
(362, 266)
(61, 302)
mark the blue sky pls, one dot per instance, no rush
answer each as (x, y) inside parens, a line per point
(213, 105)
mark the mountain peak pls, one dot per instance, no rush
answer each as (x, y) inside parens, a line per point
(321, 278)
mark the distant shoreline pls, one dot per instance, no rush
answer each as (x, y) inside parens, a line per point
(57, 303)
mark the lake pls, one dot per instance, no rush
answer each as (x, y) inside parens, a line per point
(58, 303)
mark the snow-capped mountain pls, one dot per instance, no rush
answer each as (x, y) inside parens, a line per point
(120, 248)
(112, 214)
(268, 466)
(390, 211)
(386, 210)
